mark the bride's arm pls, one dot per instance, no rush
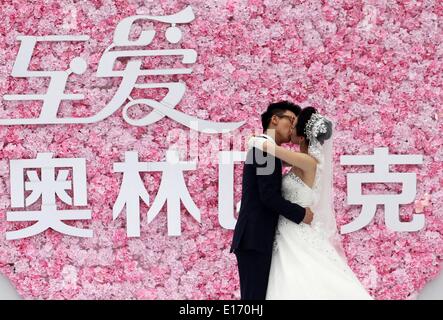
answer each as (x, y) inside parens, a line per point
(296, 159)
(285, 164)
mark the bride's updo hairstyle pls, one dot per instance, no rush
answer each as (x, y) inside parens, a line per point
(311, 124)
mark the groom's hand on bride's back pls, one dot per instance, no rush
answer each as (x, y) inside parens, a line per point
(309, 215)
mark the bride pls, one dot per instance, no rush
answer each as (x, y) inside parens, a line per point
(307, 260)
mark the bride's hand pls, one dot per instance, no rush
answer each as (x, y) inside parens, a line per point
(257, 142)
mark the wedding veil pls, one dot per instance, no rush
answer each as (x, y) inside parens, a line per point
(323, 207)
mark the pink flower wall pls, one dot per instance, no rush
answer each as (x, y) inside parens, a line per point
(374, 67)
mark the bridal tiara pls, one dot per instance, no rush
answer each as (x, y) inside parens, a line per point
(316, 125)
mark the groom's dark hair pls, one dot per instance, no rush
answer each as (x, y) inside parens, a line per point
(277, 109)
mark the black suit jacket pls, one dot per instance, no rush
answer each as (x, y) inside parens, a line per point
(261, 205)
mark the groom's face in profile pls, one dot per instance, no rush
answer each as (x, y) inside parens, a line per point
(285, 126)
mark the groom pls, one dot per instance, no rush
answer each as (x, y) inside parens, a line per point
(262, 203)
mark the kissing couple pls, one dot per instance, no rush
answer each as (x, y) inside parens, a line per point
(286, 240)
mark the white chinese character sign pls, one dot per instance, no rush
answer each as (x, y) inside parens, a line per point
(130, 76)
(381, 160)
(123, 129)
(47, 187)
(172, 189)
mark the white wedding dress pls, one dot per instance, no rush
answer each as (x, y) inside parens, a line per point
(305, 264)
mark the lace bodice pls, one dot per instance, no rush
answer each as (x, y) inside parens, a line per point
(296, 191)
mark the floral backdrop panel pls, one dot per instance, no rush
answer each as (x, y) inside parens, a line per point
(374, 67)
